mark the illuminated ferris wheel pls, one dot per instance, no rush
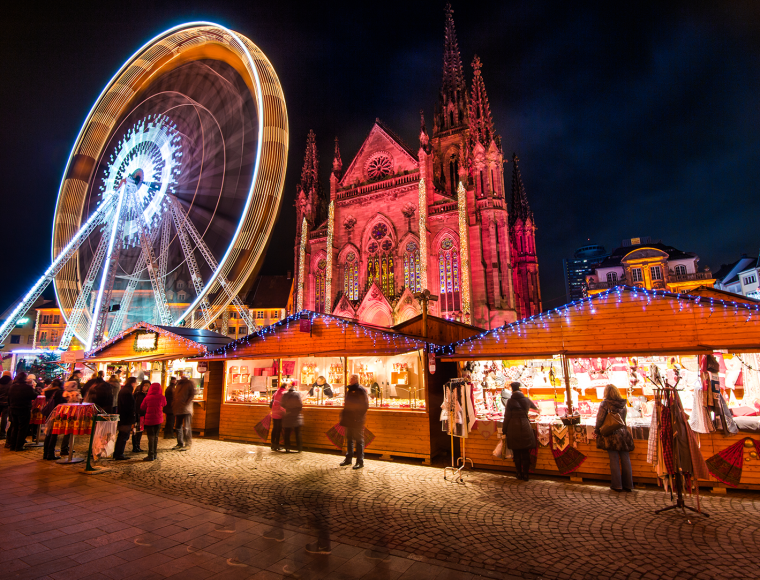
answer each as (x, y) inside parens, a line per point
(171, 190)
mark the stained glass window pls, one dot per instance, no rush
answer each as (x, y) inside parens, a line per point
(319, 288)
(372, 248)
(448, 273)
(379, 231)
(351, 277)
(386, 245)
(381, 269)
(412, 268)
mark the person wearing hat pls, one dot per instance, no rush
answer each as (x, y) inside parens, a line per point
(517, 428)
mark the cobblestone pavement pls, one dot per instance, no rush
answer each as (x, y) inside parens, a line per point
(491, 526)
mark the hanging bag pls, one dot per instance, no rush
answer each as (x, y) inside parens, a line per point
(612, 422)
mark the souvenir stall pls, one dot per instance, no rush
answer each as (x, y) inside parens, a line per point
(652, 345)
(317, 353)
(156, 353)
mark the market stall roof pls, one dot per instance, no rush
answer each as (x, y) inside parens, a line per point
(173, 342)
(439, 331)
(621, 321)
(711, 292)
(319, 335)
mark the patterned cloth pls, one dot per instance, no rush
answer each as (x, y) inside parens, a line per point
(579, 435)
(568, 459)
(726, 466)
(544, 433)
(560, 439)
(652, 445)
(666, 439)
(71, 419)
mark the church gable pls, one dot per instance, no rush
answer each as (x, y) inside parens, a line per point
(381, 155)
(375, 308)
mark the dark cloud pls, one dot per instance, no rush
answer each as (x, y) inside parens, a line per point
(638, 119)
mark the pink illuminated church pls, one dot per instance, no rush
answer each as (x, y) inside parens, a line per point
(396, 221)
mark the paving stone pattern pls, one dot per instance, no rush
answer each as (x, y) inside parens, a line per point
(389, 520)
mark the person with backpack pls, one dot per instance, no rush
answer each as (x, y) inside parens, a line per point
(613, 436)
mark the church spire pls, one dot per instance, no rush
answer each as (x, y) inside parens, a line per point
(520, 208)
(452, 103)
(310, 171)
(337, 162)
(481, 121)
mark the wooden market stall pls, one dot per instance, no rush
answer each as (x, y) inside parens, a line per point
(159, 352)
(569, 354)
(299, 349)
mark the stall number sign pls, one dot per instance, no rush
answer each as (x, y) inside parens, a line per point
(146, 341)
(202, 367)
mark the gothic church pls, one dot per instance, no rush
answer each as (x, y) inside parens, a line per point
(396, 221)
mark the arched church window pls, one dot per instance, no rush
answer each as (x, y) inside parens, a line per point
(379, 231)
(412, 268)
(453, 174)
(320, 286)
(448, 275)
(351, 277)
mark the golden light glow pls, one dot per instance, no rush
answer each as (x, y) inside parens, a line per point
(328, 281)
(302, 263)
(464, 257)
(422, 207)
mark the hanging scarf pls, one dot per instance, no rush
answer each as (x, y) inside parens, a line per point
(544, 433)
(579, 435)
(560, 437)
(652, 443)
(726, 466)
(666, 439)
(568, 459)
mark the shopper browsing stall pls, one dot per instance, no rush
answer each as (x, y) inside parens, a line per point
(293, 419)
(278, 412)
(517, 428)
(352, 419)
(182, 405)
(613, 436)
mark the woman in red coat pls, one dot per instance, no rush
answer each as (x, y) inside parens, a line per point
(153, 406)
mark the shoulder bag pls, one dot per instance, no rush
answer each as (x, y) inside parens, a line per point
(612, 422)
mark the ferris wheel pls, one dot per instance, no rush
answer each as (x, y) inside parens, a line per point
(171, 190)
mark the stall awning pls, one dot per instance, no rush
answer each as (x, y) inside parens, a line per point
(621, 321)
(158, 343)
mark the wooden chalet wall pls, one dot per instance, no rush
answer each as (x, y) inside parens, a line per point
(168, 348)
(440, 330)
(624, 321)
(206, 414)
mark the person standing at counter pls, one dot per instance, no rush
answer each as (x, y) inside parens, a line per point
(520, 436)
(293, 419)
(278, 412)
(352, 418)
(182, 406)
(617, 444)
(324, 385)
(169, 431)
(151, 406)
(126, 405)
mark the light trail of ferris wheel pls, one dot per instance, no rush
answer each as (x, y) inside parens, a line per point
(143, 230)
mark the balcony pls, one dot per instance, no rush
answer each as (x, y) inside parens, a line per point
(387, 183)
(604, 285)
(673, 278)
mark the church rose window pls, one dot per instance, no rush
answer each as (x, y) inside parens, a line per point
(351, 257)
(320, 286)
(447, 244)
(411, 246)
(379, 231)
(379, 166)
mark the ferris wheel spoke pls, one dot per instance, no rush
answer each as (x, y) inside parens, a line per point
(81, 304)
(163, 252)
(188, 225)
(68, 252)
(192, 265)
(129, 292)
(159, 292)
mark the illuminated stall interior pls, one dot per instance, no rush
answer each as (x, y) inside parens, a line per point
(626, 337)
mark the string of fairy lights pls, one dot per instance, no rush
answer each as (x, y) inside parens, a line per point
(302, 263)
(520, 327)
(144, 326)
(329, 248)
(422, 207)
(464, 246)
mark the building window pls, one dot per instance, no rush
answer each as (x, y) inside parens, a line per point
(45, 319)
(636, 275)
(259, 314)
(233, 315)
(16, 339)
(30, 339)
(412, 268)
(181, 295)
(611, 278)
(351, 277)
(57, 319)
(656, 272)
(180, 284)
(320, 286)
(243, 330)
(43, 337)
(448, 276)
(275, 315)
(54, 336)
(680, 270)
(750, 279)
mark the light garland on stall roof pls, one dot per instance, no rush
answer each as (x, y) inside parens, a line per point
(542, 319)
(396, 340)
(329, 248)
(145, 326)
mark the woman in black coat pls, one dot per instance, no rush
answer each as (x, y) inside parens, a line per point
(126, 406)
(619, 444)
(54, 392)
(140, 393)
(517, 428)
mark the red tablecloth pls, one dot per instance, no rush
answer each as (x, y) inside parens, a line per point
(37, 405)
(72, 419)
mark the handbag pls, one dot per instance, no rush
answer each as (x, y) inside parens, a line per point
(612, 422)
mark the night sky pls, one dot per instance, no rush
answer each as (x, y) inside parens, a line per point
(637, 123)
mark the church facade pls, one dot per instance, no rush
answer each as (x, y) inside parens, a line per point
(396, 221)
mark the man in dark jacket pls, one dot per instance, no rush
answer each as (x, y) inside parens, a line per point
(21, 396)
(100, 394)
(182, 406)
(5, 389)
(352, 418)
(126, 405)
(169, 431)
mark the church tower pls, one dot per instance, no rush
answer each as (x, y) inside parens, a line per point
(310, 199)
(522, 236)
